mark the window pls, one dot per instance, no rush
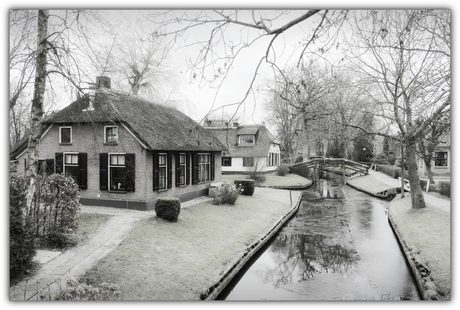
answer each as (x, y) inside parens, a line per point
(117, 172)
(65, 135)
(71, 165)
(246, 139)
(203, 167)
(111, 134)
(440, 159)
(226, 161)
(182, 168)
(162, 171)
(248, 161)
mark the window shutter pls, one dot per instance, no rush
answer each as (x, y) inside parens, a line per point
(83, 170)
(130, 172)
(103, 171)
(187, 169)
(194, 168)
(213, 165)
(155, 172)
(49, 166)
(59, 162)
(177, 164)
(170, 169)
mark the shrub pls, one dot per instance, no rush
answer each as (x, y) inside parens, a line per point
(168, 208)
(55, 211)
(81, 291)
(444, 188)
(247, 186)
(392, 171)
(299, 159)
(22, 241)
(282, 170)
(226, 193)
(381, 159)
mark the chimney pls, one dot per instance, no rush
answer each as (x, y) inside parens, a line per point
(102, 81)
(235, 125)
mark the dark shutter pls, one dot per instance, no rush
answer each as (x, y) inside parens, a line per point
(83, 170)
(187, 169)
(49, 166)
(177, 164)
(155, 172)
(213, 165)
(130, 172)
(103, 171)
(194, 168)
(170, 169)
(59, 162)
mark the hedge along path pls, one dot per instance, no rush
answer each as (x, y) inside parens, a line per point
(74, 262)
(188, 259)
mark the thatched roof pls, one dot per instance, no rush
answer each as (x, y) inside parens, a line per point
(159, 127)
(229, 137)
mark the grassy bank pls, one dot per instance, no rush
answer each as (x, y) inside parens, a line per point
(426, 233)
(273, 180)
(160, 260)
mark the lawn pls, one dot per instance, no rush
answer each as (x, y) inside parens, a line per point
(273, 180)
(160, 260)
(88, 223)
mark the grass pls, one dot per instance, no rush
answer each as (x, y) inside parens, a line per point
(161, 260)
(427, 233)
(88, 223)
(273, 180)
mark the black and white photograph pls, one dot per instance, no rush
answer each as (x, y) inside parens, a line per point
(222, 154)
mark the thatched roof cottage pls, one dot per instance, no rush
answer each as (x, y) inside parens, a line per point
(126, 152)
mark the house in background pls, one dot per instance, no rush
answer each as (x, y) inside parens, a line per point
(249, 146)
(442, 158)
(126, 152)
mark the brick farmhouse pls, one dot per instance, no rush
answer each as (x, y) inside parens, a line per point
(126, 152)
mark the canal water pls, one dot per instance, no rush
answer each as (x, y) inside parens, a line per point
(338, 248)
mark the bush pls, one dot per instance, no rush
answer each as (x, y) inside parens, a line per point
(22, 241)
(282, 170)
(55, 212)
(81, 291)
(392, 171)
(226, 194)
(247, 186)
(168, 208)
(381, 159)
(444, 188)
(299, 159)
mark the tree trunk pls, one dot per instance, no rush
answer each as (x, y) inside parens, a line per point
(37, 105)
(417, 198)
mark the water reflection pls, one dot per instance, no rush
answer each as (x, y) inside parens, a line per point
(333, 249)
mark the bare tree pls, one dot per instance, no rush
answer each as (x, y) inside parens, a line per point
(406, 56)
(229, 33)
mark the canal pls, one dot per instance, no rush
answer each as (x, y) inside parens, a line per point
(339, 247)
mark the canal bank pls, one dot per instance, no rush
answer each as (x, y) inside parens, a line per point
(423, 234)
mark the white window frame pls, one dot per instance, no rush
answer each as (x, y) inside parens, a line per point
(241, 139)
(60, 134)
(105, 134)
(203, 165)
(65, 164)
(165, 166)
(115, 166)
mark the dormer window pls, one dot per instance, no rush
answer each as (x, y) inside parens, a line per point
(111, 134)
(65, 135)
(246, 139)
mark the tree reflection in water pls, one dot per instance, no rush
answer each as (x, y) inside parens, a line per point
(299, 257)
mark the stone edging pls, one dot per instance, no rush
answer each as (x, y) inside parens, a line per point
(213, 291)
(426, 286)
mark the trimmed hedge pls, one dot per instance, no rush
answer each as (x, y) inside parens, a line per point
(444, 188)
(226, 194)
(168, 208)
(247, 186)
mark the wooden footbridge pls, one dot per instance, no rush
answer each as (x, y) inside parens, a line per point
(337, 165)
